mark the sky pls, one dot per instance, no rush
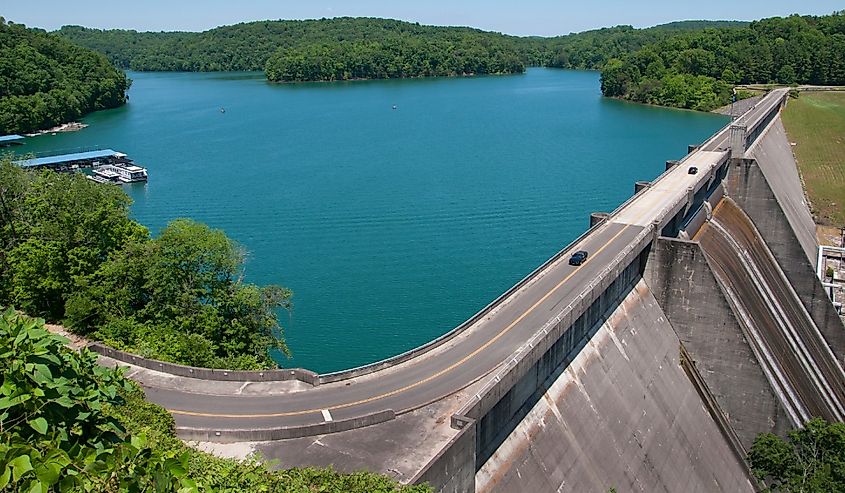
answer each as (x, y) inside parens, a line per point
(518, 17)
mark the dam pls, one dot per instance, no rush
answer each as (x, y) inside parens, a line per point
(694, 324)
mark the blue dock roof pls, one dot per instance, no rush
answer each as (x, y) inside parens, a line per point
(6, 139)
(65, 158)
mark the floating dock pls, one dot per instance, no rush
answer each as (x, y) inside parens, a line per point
(10, 140)
(107, 165)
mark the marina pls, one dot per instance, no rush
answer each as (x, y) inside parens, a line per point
(106, 165)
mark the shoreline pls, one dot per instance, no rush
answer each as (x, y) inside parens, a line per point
(65, 127)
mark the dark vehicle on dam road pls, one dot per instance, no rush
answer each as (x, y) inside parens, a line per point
(578, 258)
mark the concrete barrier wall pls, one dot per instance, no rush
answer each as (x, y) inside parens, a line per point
(500, 409)
(748, 187)
(453, 469)
(260, 435)
(715, 197)
(299, 374)
(693, 224)
(683, 283)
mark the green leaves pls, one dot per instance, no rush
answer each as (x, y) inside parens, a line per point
(39, 425)
(811, 459)
(19, 465)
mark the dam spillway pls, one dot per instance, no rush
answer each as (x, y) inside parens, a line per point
(799, 362)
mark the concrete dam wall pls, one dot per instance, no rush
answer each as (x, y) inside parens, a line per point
(622, 414)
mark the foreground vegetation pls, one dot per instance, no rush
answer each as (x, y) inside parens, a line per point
(71, 253)
(810, 460)
(69, 425)
(816, 123)
(46, 80)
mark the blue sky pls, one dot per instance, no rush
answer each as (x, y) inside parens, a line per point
(520, 17)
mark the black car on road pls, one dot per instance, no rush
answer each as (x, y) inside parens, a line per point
(578, 257)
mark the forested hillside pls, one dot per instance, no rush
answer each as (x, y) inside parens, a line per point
(687, 64)
(374, 45)
(46, 80)
(697, 69)
(384, 48)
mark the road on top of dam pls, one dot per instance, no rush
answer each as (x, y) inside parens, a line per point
(470, 355)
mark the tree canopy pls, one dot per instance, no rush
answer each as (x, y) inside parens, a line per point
(46, 80)
(380, 48)
(810, 460)
(71, 253)
(696, 69)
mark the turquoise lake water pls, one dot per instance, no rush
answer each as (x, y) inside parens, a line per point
(392, 226)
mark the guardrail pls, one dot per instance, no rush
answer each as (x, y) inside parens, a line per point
(279, 375)
(283, 433)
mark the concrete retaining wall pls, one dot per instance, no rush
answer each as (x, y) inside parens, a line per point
(305, 376)
(683, 283)
(748, 187)
(261, 435)
(453, 469)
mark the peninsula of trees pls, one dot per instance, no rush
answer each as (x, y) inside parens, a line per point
(46, 80)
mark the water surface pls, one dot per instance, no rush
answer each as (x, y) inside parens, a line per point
(391, 226)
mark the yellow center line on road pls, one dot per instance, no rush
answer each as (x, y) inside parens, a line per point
(425, 380)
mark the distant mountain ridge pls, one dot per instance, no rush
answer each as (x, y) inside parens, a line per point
(701, 24)
(687, 64)
(248, 46)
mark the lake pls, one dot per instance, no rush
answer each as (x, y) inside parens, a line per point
(393, 209)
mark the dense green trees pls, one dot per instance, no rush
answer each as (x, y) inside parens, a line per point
(312, 49)
(179, 297)
(70, 252)
(46, 81)
(695, 69)
(691, 64)
(391, 58)
(811, 459)
(379, 47)
(67, 424)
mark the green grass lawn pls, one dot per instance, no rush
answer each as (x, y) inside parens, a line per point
(816, 123)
